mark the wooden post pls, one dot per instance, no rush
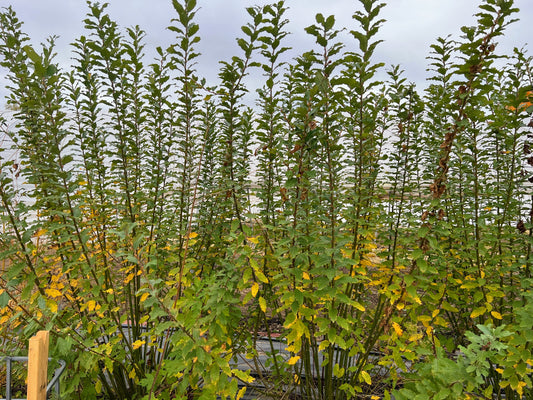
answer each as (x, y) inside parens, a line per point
(38, 366)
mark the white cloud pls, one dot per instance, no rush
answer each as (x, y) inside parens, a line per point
(412, 25)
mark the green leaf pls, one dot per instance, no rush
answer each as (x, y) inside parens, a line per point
(422, 265)
(4, 299)
(11, 41)
(33, 56)
(329, 23)
(191, 5)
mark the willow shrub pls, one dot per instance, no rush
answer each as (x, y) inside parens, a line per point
(158, 226)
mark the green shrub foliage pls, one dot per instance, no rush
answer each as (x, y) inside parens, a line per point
(375, 237)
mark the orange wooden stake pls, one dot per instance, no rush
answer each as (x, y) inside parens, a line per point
(38, 366)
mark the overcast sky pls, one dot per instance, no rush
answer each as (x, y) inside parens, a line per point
(411, 27)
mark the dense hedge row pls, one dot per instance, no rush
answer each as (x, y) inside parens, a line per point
(157, 226)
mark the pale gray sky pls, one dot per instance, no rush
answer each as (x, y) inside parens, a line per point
(412, 25)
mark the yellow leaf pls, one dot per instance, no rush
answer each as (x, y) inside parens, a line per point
(440, 321)
(129, 278)
(98, 386)
(415, 337)
(293, 360)
(192, 235)
(397, 328)
(137, 344)
(91, 304)
(40, 232)
(243, 376)
(262, 304)
(306, 276)
(416, 299)
(338, 371)
(366, 377)
(323, 345)
(261, 277)
(520, 388)
(258, 273)
(291, 348)
(255, 289)
(477, 312)
(496, 314)
(52, 305)
(144, 297)
(359, 306)
(435, 313)
(241, 393)
(53, 293)
(254, 240)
